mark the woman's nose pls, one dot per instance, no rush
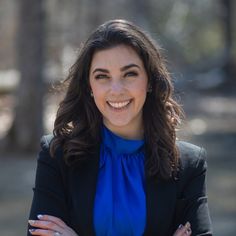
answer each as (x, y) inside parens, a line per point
(117, 87)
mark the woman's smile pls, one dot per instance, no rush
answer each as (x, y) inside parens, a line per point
(119, 106)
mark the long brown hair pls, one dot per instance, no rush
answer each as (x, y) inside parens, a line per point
(77, 128)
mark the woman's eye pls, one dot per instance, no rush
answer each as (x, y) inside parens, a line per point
(131, 73)
(101, 76)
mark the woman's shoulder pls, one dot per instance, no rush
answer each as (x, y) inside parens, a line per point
(191, 156)
(45, 154)
(46, 141)
(187, 148)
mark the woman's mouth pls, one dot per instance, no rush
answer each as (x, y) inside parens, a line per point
(119, 105)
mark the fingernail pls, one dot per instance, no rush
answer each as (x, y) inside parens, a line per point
(31, 222)
(180, 226)
(31, 230)
(187, 225)
(40, 216)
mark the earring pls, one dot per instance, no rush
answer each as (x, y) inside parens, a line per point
(91, 94)
(149, 90)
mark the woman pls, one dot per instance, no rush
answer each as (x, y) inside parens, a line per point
(113, 165)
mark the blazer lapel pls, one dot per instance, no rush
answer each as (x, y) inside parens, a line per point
(160, 202)
(85, 183)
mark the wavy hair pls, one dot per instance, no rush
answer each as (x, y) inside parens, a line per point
(77, 127)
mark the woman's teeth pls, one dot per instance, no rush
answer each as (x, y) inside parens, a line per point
(119, 104)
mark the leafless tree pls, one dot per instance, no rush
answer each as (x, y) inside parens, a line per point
(30, 44)
(227, 17)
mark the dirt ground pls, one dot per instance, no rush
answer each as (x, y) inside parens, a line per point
(211, 123)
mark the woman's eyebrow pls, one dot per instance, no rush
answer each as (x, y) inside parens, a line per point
(101, 70)
(122, 69)
(129, 66)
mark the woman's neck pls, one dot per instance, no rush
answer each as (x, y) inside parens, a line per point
(128, 131)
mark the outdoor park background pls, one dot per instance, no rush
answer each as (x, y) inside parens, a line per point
(38, 43)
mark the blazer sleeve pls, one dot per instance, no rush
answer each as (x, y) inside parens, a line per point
(49, 191)
(193, 206)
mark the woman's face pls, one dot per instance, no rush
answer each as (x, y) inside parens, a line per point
(119, 83)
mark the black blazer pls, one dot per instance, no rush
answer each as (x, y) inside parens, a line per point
(69, 192)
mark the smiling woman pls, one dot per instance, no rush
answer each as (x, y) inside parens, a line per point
(113, 165)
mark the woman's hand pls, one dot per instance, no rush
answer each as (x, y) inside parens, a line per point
(183, 230)
(50, 226)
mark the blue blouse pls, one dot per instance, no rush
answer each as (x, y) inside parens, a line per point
(120, 201)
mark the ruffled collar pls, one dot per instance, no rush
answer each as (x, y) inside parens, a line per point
(120, 145)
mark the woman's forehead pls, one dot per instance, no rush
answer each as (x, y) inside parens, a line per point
(119, 56)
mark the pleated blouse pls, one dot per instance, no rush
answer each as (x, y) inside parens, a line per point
(120, 202)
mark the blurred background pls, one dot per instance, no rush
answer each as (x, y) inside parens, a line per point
(39, 42)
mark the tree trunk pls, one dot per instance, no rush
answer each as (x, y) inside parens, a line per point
(229, 65)
(27, 127)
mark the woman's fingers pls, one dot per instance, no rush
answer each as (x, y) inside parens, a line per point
(43, 224)
(183, 230)
(42, 232)
(54, 219)
(48, 225)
